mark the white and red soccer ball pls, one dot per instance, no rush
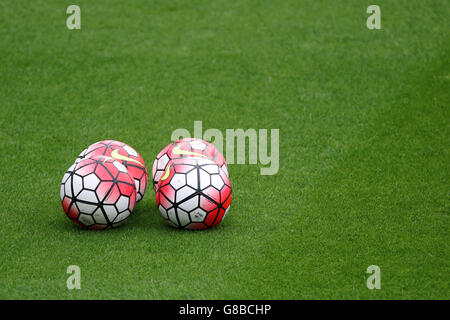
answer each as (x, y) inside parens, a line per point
(190, 177)
(124, 154)
(98, 192)
(185, 148)
(193, 193)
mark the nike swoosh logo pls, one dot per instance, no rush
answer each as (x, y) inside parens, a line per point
(116, 155)
(178, 150)
(166, 174)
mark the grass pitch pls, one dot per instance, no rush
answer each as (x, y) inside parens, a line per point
(364, 146)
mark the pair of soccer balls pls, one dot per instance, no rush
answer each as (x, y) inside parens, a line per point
(101, 188)
(190, 178)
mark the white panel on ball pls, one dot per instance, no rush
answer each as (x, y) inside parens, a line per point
(183, 193)
(88, 196)
(110, 211)
(183, 217)
(190, 204)
(99, 216)
(178, 180)
(122, 216)
(204, 179)
(163, 212)
(172, 216)
(68, 187)
(192, 180)
(213, 168)
(198, 215)
(91, 181)
(86, 219)
(216, 181)
(122, 203)
(77, 184)
(162, 162)
(86, 208)
(130, 151)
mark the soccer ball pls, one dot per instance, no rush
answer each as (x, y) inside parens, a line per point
(193, 193)
(126, 155)
(187, 147)
(98, 193)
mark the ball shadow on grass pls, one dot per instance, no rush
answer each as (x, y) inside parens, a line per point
(144, 218)
(147, 217)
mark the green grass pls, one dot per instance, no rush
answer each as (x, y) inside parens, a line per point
(364, 146)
